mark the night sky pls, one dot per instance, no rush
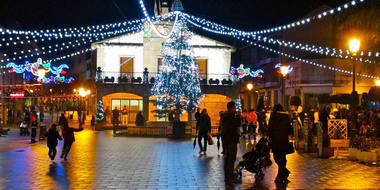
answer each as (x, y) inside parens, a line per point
(243, 14)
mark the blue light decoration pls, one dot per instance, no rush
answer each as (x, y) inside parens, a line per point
(56, 76)
(242, 72)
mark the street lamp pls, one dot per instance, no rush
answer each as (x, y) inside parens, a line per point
(377, 82)
(284, 71)
(354, 45)
(249, 86)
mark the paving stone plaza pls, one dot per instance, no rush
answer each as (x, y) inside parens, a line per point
(100, 161)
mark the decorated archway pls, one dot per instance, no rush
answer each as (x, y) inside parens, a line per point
(127, 103)
(214, 103)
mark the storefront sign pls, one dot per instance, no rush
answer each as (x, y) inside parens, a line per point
(19, 94)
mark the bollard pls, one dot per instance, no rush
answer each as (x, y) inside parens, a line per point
(306, 135)
(295, 132)
(320, 139)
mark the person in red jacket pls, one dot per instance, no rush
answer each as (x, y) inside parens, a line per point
(252, 123)
(69, 138)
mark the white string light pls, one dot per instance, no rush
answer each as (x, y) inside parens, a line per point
(298, 23)
(344, 54)
(152, 24)
(287, 55)
(71, 32)
(63, 46)
(313, 63)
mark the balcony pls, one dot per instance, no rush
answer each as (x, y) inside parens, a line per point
(150, 78)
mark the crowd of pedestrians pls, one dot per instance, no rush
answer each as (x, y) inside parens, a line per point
(235, 126)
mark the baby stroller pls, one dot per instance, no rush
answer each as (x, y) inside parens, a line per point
(255, 160)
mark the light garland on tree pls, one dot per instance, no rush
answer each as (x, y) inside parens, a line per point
(178, 81)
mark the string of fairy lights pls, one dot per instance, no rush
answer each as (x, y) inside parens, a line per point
(63, 46)
(290, 56)
(223, 30)
(93, 33)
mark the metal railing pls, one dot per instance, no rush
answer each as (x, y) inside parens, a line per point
(150, 78)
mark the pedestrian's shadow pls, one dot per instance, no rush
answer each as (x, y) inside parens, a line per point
(58, 173)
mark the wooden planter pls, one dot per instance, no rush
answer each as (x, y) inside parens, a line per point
(352, 153)
(367, 156)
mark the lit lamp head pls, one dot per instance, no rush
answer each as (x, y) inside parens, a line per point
(354, 45)
(249, 86)
(284, 70)
(377, 82)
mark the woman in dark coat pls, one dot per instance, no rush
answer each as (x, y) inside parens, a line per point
(52, 140)
(203, 129)
(279, 129)
(69, 138)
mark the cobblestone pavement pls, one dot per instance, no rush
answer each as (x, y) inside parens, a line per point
(99, 161)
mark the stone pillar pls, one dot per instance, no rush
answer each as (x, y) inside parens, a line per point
(320, 139)
(146, 107)
(295, 132)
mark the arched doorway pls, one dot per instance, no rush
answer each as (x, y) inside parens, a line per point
(214, 103)
(123, 101)
(153, 107)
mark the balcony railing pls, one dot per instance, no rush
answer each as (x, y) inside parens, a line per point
(150, 78)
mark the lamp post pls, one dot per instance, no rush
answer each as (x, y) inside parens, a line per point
(41, 71)
(377, 82)
(354, 45)
(284, 70)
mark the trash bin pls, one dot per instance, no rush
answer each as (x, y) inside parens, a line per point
(179, 129)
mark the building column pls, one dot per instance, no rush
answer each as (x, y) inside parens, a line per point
(146, 107)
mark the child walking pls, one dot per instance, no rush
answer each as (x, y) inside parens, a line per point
(52, 140)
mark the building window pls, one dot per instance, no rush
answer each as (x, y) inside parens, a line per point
(275, 97)
(202, 65)
(159, 63)
(133, 107)
(126, 67)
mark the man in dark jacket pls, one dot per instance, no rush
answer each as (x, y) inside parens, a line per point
(231, 123)
(139, 119)
(279, 130)
(68, 136)
(203, 129)
(52, 140)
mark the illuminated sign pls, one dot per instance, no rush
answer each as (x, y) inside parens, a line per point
(18, 94)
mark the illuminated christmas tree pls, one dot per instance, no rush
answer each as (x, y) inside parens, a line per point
(99, 111)
(177, 86)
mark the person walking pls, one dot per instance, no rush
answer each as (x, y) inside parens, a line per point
(69, 139)
(220, 130)
(231, 123)
(52, 140)
(203, 129)
(34, 125)
(279, 129)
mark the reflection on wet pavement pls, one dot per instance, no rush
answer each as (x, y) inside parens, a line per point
(99, 161)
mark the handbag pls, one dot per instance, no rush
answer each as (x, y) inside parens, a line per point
(209, 139)
(290, 148)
